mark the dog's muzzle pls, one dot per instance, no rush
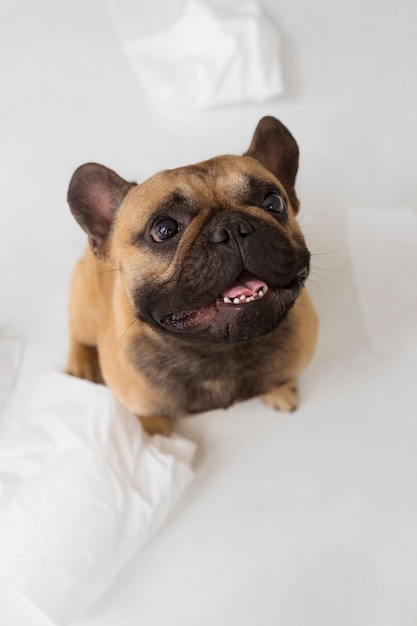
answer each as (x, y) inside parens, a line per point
(241, 287)
(249, 308)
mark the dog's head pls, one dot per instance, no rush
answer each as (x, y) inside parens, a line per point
(209, 252)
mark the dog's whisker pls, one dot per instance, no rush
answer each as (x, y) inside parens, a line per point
(112, 269)
(317, 268)
(321, 272)
(314, 254)
(319, 261)
(326, 279)
(310, 280)
(127, 328)
(318, 284)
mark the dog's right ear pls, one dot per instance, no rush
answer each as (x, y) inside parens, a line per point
(275, 147)
(95, 195)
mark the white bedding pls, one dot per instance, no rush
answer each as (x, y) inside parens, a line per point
(308, 518)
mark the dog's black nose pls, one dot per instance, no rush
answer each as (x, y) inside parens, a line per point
(228, 226)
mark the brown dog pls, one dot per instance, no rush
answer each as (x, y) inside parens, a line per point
(183, 301)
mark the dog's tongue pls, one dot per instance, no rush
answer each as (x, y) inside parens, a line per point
(245, 285)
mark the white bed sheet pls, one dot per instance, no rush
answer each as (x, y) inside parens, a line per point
(305, 518)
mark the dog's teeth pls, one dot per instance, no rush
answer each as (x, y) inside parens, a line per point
(244, 299)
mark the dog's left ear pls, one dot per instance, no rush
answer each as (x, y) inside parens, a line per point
(95, 195)
(275, 147)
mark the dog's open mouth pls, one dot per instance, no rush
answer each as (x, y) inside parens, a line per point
(246, 288)
(247, 308)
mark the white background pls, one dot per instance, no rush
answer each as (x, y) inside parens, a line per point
(308, 518)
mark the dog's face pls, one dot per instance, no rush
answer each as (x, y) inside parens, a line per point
(210, 252)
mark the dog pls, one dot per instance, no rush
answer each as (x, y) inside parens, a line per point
(190, 295)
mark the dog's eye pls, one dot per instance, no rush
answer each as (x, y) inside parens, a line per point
(165, 228)
(274, 202)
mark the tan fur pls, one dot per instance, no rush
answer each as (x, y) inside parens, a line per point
(105, 329)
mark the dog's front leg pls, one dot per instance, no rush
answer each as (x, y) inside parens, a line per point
(284, 397)
(83, 362)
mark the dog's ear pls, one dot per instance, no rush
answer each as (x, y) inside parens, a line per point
(275, 147)
(95, 195)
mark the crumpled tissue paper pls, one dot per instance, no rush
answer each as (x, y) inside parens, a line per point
(383, 251)
(211, 55)
(82, 488)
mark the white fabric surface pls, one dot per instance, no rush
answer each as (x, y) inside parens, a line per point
(211, 55)
(82, 488)
(10, 358)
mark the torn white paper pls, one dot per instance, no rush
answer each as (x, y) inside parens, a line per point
(383, 249)
(212, 55)
(82, 488)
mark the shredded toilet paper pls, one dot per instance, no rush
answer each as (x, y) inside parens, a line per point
(82, 488)
(211, 55)
(383, 250)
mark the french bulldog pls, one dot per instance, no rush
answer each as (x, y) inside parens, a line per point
(190, 295)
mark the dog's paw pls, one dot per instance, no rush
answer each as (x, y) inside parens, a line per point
(283, 398)
(156, 425)
(83, 363)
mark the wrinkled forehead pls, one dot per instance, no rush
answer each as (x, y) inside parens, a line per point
(224, 174)
(219, 179)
